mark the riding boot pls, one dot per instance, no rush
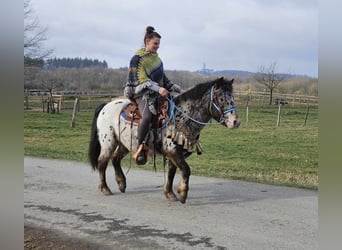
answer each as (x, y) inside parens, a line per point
(140, 155)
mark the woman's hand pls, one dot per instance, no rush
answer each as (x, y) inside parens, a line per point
(163, 91)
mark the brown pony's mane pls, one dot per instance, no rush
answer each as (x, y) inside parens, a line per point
(198, 90)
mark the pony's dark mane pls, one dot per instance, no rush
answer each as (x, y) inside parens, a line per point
(198, 90)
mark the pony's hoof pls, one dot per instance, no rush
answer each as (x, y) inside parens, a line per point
(122, 189)
(171, 196)
(182, 191)
(106, 191)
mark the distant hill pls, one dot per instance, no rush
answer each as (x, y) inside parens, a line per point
(233, 73)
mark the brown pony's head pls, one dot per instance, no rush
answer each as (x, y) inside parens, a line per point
(222, 106)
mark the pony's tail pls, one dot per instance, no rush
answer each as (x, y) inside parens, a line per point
(94, 144)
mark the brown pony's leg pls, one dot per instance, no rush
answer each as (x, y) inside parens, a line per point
(102, 166)
(170, 195)
(183, 187)
(120, 178)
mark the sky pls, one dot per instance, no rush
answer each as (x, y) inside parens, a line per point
(222, 34)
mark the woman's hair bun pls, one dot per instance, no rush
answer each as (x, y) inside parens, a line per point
(149, 29)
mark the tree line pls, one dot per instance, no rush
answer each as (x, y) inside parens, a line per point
(94, 79)
(74, 63)
(98, 79)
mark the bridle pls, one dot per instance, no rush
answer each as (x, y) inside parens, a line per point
(213, 104)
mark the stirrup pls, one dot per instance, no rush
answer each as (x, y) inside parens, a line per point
(140, 156)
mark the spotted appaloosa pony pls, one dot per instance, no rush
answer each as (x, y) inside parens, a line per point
(113, 137)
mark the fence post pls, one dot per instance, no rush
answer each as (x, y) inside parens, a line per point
(306, 115)
(278, 120)
(89, 101)
(43, 104)
(73, 119)
(247, 113)
(60, 104)
(26, 99)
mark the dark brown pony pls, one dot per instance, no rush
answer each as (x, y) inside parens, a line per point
(113, 137)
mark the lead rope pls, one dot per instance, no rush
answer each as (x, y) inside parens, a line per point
(164, 157)
(155, 142)
(154, 151)
(164, 163)
(131, 148)
(130, 163)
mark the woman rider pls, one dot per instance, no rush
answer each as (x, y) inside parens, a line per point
(146, 81)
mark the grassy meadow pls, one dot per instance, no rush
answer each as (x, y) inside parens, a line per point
(258, 151)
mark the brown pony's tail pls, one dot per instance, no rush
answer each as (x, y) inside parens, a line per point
(94, 144)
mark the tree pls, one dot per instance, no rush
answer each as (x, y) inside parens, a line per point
(268, 77)
(34, 36)
(50, 81)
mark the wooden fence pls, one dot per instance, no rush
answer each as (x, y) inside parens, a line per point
(66, 102)
(91, 101)
(256, 98)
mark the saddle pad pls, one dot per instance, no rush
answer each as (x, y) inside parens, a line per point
(130, 112)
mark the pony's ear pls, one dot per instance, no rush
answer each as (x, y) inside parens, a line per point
(232, 81)
(219, 81)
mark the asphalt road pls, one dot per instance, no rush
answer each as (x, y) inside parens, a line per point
(62, 196)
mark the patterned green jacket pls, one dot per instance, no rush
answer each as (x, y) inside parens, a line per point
(146, 72)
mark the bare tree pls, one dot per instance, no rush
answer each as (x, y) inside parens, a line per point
(34, 36)
(268, 77)
(50, 81)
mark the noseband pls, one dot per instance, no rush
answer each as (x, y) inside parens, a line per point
(213, 103)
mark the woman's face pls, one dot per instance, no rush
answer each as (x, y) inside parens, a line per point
(152, 45)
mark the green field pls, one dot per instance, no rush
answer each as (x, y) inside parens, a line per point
(258, 152)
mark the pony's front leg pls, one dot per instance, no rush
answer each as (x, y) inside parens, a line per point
(183, 186)
(170, 195)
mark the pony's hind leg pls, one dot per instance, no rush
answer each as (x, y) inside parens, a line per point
(120, 178)
(102, 166)
(170, 195)
(104, 157)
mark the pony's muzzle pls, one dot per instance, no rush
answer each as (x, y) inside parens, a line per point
(232, 121)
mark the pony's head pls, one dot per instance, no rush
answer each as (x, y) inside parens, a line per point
(221, 106)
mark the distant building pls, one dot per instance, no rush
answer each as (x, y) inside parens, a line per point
(205, 71)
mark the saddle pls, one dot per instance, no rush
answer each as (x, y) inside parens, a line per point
(131, 113)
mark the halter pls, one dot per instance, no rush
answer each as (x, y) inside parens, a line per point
(213, 103)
